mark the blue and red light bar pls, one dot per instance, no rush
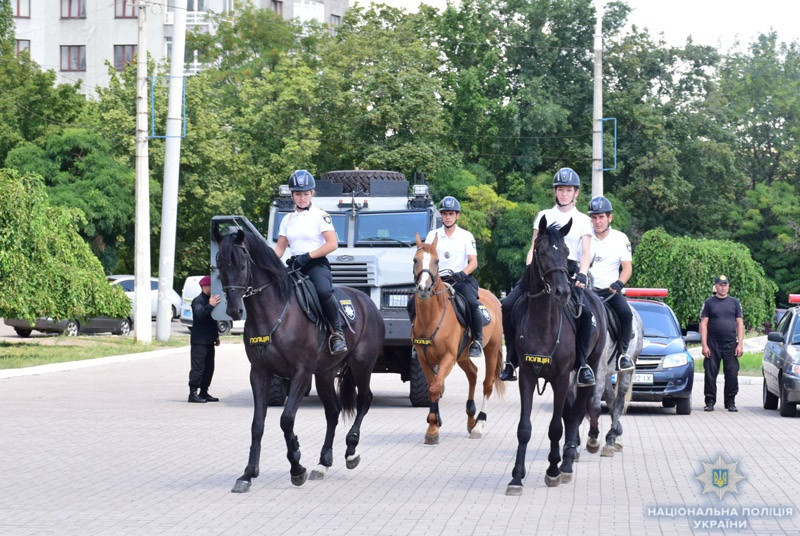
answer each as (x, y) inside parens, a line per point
(646, 292)
(794, 298)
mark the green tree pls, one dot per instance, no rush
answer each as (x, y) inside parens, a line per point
(46, 269)
(6, 27)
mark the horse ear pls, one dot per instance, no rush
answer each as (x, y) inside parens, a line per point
(216, 234)
(565, 230)
(419, 241)
(435, 240)
(542, 224)
(239, 237)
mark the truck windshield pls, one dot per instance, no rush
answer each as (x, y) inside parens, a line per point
(339, 224)
(391, 228)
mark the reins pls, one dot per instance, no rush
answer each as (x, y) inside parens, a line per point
(447, 288)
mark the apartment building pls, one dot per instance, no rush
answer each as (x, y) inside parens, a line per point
(77, 38)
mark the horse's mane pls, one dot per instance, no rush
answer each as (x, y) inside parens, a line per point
(263, 256)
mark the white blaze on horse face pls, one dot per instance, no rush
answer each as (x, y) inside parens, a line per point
(426, 267)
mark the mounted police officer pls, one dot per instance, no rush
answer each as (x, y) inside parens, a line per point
(566, 186)
(309, 234)
(457, 253)
(611, 268)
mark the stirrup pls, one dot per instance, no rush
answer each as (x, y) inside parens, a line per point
(628, 366)
(585, 370)
(475, 352)
(333, 339)
(509, 373)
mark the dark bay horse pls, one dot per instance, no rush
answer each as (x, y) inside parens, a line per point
(280, 340)
(616, 395)
(545, 344)
(438, 336)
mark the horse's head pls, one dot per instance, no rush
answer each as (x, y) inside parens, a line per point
(550, 253)
(235, 265)
(426, 268)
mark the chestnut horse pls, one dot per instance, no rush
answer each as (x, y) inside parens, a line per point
(438, 339)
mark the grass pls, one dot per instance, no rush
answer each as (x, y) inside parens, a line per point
(749, 364)
(45, 350)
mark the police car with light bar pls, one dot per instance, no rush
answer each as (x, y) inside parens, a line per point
(665, 369)
(781, 363)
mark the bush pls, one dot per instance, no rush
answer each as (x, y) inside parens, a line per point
(688, 268)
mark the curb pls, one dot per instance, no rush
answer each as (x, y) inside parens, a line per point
(74, 365)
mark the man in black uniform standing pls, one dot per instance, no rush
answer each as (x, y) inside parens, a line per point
(203, 339)
(721, 332)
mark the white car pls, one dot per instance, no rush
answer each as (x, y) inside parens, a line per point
(191, 289)
(127, 284)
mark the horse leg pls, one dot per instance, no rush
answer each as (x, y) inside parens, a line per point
(592, 443)
(613, 444)
(299, 385)
(363, 403)
(435, 388)
(333, 408)
(523, 433)
(259, 383)
(573, 416)
(493, 357)
(471, 370)
(553, 476)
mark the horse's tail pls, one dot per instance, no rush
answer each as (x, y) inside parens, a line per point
(499, 385)
(347, 391)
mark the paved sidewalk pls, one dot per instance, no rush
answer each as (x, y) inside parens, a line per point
(114, 449)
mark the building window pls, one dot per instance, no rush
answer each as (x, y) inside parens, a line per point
(73, 9)
(22, 8)
(277, 7)
(125, 9)
(73, 58)
(228, 6)
(196, 5)
(336, 20)
(23, 44)
(123, 55)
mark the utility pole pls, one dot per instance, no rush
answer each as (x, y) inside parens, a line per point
(597, 112)
(141, 321)
(172, 161)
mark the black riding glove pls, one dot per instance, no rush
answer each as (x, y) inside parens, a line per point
(581, 278)
(302, 260)
(616, 286)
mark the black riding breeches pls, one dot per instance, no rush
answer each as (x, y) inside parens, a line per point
(320, 275)
(619, 305)
(469, 289)
(584, 331)
(509, 328)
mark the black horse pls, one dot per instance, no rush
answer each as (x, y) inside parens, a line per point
(281, 340)
(546, 345)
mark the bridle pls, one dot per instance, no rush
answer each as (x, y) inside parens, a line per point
(547, 289)
(248, 290)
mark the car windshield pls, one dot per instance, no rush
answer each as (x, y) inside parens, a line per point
(387, 228)
(658, 320)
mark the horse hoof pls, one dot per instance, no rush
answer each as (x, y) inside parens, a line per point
(608, 452)
(566, 477)
(241, 486)
(514, 490)
(299, 480)
(618, 446)
(318, 473)
(593, 445)
(477, 431)
(352, 461)
(432, 439)
(552, 481)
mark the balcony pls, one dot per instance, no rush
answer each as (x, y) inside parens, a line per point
(193, 18)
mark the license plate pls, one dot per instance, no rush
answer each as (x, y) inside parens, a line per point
(642, 378)
(187, 314)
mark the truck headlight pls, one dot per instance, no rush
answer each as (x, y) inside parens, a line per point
(397, 300)
(675, 360)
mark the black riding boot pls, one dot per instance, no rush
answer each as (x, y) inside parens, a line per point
(476, 348)
(585, 373)
(509, 373)
(337, 342)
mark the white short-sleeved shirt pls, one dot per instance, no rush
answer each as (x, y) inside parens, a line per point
(303, 229)
(581, 226)
(607, 256)
(454, 251)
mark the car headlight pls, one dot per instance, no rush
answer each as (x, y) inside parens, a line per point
(675, 360)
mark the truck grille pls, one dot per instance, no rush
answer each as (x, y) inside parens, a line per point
(396, 297)
(356, 274)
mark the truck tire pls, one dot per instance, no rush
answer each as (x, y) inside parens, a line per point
(359, 180)
(277, 392)
(418, 390)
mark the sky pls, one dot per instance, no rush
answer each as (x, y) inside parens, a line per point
(717, 23)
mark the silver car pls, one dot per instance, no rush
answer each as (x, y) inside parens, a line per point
(781, 364)
(71, 328)
(127, 284)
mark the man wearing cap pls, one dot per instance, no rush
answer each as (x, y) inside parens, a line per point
(721, 332)
(203, 339)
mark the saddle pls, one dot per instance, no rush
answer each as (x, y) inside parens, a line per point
(613, 332)
(463, 313)
(308, 300)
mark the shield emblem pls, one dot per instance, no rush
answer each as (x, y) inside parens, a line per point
(720, 478)
(349, 311)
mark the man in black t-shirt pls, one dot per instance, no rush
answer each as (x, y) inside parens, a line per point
(721, 332)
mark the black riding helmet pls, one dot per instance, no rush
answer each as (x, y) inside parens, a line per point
(450, 203)
(600, 205)
(301, 181)
(566, 177)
